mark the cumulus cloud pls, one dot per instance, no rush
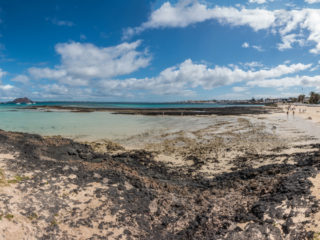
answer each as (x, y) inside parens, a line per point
(293, 26)
(84, 62)
(185, 13)
(6, 87)
(39, 73)
(183, 79)
(180, 80)
(289, 39)
(188, 75)
(88, 71)
(286, 82)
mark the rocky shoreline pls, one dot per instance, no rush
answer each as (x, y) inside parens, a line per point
(164, 111)
(55, 188)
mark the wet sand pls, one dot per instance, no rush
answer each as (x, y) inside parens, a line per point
(248, 176)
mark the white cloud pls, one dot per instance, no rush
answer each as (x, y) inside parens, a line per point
(180, 80)
(6, 87)
(21, 79)
(185, 13)
(245, 45)
(258, 1)
(293, 26)
(289, 40)
(311, 81)
(256, 47)
(84, 62)
(189, 75)
(312, 1)
(39, 73)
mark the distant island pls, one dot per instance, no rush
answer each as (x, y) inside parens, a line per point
(23, 100)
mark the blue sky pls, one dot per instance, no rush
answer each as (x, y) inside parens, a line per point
(158, 50)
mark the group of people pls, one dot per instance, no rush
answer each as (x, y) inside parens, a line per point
(292, 108)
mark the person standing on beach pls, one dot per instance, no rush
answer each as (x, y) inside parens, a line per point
(293, 109)
(288, 110)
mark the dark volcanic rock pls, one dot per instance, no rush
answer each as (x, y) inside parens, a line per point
(162, 202)
(168, 111)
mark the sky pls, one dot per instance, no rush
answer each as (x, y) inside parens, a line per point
(158, 50)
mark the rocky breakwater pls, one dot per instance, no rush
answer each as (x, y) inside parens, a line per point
(55, 188)
(222, 111)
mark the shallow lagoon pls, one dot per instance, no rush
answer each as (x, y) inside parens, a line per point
(91, 126)
(99, 125)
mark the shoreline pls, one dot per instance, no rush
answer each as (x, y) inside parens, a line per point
(242, 179)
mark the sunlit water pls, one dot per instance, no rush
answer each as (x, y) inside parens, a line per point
(94, 125)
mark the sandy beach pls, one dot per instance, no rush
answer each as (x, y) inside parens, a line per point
(244, 176)
(159, 120)
(308, 112)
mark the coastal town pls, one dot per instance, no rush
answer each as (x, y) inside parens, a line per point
(313, 98)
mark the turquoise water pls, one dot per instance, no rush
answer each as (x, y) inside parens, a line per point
(95, 125)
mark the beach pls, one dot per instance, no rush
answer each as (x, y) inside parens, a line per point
(251, 174)
(160, 120)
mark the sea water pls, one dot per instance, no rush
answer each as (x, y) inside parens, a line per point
(95, 125)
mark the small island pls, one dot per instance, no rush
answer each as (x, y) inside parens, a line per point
(23, 100)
